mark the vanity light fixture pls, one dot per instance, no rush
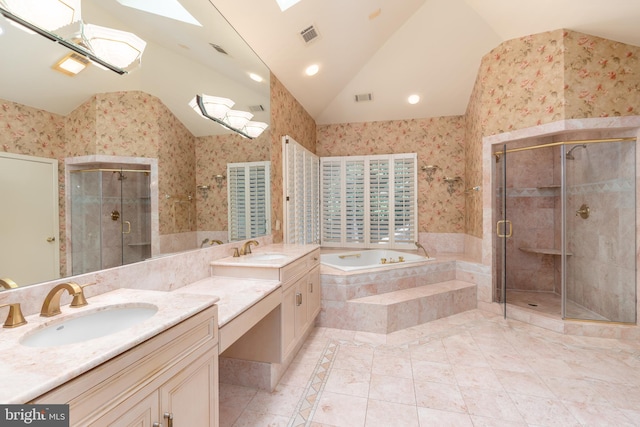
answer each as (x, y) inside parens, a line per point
(46, 14)
(219, 110)
(219, 178)
(450, 181)
(112, 49)
(71, 64)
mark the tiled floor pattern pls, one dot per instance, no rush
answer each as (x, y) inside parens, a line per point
(471, 369)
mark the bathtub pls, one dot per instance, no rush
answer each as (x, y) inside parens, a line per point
(369, 258)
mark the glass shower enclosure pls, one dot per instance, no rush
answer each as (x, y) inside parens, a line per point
(110, 215)
(565, 228)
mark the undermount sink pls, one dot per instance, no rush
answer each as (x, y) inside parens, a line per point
(264, 257)
(94, 324)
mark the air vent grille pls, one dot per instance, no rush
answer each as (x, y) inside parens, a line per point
(309, 34)
(79, 58)
(363, 97)
(219, 48)
(256, 108)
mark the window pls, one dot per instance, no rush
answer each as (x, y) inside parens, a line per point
(249, 196)
(369, 201)
(301, 194)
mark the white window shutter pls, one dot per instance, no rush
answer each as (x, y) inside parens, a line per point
(249, 199)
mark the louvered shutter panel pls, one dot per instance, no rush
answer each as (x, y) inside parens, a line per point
(249, 199)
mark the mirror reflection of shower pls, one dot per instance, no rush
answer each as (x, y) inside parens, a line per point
(569, 155)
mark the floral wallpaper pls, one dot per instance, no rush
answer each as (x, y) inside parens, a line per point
(437, 141)
(544, 78)
(288, 117)
(212, 155)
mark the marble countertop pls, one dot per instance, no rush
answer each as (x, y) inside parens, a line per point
(290, 253)
(29, 372)
(236, 295)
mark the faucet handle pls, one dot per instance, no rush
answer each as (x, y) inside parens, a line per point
(79, 300)
(236, 253)
(15, 317)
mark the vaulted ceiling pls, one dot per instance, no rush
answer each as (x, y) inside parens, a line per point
(395, 48)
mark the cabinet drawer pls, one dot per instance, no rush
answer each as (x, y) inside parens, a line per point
(300, 266)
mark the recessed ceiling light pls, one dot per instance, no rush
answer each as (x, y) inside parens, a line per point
(71, 64)
(312, 70)
(413, 99)
(255, 77)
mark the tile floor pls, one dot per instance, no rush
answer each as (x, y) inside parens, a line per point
(549, 303)
(471, 369)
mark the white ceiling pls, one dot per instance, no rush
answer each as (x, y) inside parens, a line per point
(429, 47)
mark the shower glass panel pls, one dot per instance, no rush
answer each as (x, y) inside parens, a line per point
(600, 231)
(110, 218)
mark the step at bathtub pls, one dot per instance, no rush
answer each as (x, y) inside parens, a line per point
(393, 311)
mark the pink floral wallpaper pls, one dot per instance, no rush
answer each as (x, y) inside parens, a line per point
(288, 117)
(212, 155)
(437, 141)
(544, 78)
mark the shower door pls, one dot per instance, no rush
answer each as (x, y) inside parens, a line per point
(599, 194)
(110, 218)
(502, 227)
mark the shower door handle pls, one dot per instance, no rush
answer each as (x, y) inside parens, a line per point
(507, 224)
(128, 227)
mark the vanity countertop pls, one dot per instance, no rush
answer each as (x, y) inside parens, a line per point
(29, 372)
(236, 295)
(290, 252)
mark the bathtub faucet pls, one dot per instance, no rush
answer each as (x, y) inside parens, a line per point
(419, 246)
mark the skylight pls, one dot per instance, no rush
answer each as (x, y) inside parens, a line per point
(168, 8)
(286, 4)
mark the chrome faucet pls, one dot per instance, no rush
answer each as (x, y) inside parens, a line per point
(246, 248)
(419, 246)
(51, 305)
(7, 283)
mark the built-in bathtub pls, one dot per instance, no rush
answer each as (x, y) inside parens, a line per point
(372, 258)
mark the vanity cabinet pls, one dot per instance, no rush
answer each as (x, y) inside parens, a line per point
(300, 300)
(170, 379)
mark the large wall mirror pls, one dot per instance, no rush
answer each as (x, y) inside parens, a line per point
(102, 129)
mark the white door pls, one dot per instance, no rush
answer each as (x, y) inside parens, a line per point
(29, 233)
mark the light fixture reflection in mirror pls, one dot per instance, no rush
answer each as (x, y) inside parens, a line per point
(219, 178)
(219, 110)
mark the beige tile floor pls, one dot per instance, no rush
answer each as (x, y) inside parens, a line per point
(549, 303)
(471, 369)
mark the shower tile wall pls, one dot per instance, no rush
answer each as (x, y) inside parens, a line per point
(531, 206)
(601, 271)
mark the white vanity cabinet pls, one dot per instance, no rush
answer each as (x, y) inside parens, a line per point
(168, 380)
(300, 300)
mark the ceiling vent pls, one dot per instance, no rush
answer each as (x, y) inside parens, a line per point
(256, 108)
(363, 97)
(309, 34)
(219, 48)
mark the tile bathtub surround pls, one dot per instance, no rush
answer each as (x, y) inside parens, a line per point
(469, 369)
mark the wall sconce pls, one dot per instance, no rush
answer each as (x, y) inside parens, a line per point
(219, 110)
(204, 190)
(430, 170)
(450, 182)
(219, 179)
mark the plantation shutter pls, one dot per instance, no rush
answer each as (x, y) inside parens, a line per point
(249, 199)
(301, 193)
(369, 201)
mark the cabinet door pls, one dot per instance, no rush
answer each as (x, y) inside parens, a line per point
(288, 322)
(190, 398)
(142, 414)
(314, 297)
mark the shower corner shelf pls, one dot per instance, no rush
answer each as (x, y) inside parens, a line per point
(543, 251)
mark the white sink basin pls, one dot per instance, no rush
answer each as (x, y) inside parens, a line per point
(264, 257)
(88, 326)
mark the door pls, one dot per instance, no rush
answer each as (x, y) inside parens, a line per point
(29, 219)
(502, 227)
